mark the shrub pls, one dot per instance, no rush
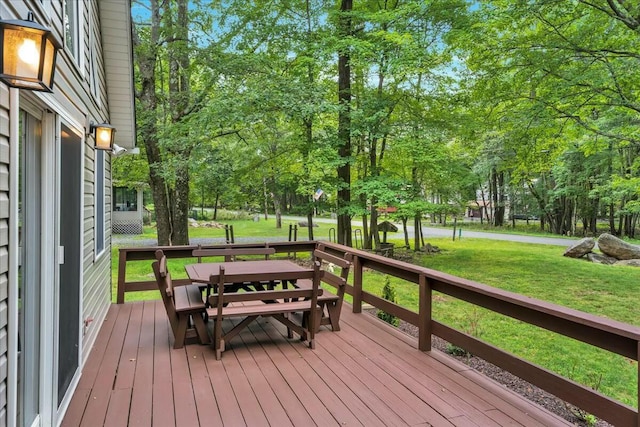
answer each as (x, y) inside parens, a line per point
(388, 293)
(225, 215)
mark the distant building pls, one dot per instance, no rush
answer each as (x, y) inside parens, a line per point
(128, 210)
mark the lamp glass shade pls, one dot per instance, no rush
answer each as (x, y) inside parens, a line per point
(104, 136)
(28, 55)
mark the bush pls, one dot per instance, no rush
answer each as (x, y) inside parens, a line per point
(388, 293)
(225, 215)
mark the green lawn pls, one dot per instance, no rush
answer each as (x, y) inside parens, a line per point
(538, 271)
(262, 228)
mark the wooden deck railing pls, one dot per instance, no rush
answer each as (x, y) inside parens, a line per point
(616, 337)
(148, 253)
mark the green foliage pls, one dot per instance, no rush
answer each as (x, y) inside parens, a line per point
(445, 97)
(388, 293)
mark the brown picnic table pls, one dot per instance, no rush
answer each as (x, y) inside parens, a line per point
(224, 279)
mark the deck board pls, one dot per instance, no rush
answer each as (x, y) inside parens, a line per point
(163, 411)
(295, 410)
(141, 400)
(367, 374)
(96, 409)
(265, 394)
(205, 399)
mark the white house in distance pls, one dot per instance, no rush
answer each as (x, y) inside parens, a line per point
(55, 200)
(128, 210)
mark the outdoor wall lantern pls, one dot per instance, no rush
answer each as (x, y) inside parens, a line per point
(27, 54)
(104, 134)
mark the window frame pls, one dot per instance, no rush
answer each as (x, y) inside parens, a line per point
(71, 10)
(100, 216)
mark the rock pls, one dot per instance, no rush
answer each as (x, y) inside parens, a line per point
(430, 249)
(629, 262)
(600, 258)
(306, 224)
(581, 248)
(617, 248)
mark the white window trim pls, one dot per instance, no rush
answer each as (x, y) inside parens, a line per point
(78, 58)
(98, 205)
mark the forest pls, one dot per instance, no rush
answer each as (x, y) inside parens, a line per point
(354, 106)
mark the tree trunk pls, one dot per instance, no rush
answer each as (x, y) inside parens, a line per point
(179, 90)
(265, 193)
(310, 225)
(497, 196)
(344, 127)
(416, 233)
(181, 207)
(366, 244)
(375, 234)
(406, 232)
(147, 119)
(215, 207)
(277, 207)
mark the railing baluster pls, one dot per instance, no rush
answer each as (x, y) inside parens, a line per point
(122, 274)
(357, 285)
(424, 313)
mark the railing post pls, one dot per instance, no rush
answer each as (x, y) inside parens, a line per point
(122, 274)
(638, 364)
(357, 285)
(424, 314)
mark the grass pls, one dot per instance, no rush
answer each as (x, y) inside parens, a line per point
(262, 228)
(537, 271)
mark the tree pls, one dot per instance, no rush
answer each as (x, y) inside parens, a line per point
(344, 123)
(163, 49)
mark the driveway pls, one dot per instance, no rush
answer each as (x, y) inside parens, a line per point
(122, 239)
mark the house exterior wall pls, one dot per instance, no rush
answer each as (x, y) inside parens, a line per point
(80, 95)
(4, 248)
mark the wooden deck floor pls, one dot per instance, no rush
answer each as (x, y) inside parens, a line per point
(367, 374)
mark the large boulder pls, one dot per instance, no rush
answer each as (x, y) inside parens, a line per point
(601, 258)
(617, 248)
(629, 262)
(581, 248)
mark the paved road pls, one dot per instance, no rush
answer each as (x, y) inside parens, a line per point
(448, 232)
(120, 239)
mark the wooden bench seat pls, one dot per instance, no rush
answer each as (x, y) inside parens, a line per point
(261, 309)
(273, 303)
(188, 298)
(331, 304)
(183, 304)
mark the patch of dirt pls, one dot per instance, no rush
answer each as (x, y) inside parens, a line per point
(518, 385)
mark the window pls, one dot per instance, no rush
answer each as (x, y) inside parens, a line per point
(71, 27)
(126, 199)
(100, 203)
